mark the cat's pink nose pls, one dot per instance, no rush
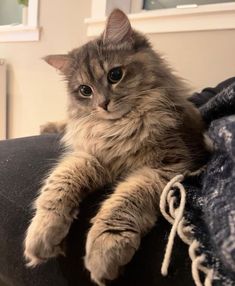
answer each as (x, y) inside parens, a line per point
(104, 104)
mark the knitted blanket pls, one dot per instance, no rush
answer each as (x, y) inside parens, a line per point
(210, 199)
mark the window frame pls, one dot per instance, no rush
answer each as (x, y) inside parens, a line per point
(201, 18)
(28, 30)
(3, 100)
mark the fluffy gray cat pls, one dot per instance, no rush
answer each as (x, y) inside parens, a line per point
(129, 124)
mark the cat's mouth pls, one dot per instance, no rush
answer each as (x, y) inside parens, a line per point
(111, 113)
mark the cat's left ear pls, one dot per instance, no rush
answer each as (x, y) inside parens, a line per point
(118, 28)
(60, 62)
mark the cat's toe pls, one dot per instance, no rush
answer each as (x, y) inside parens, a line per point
(44, 238)
(107, 251)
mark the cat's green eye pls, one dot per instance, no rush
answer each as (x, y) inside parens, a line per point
(115, 75)
(85, 90)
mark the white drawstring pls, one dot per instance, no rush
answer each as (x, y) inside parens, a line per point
(174, 217)
(179, 226)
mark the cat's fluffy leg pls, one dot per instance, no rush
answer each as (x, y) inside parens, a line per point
(128, 214)
(57, 205)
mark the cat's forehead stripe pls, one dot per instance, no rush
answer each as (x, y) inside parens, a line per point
(95, 65)
(91, 68)
(97, 62)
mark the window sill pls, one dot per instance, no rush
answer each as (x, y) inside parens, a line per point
(19, 33)
(201, 18)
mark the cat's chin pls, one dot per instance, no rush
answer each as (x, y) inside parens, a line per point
(111, 115)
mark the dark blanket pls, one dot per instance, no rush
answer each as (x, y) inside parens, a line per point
(211, 197)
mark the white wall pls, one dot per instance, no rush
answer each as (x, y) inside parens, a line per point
(37, 93)
(203, 58)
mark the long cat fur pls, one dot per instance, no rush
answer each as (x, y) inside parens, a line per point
(149, 133)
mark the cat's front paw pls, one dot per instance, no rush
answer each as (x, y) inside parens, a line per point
(44, 237)
(107, 251)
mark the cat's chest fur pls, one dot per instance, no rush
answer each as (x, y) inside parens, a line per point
(120, 145)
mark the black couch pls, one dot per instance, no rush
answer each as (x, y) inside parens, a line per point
(23, 164)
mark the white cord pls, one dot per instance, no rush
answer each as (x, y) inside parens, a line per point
(175, 221)
(176, 218)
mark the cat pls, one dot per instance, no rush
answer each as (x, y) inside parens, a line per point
(130, 125)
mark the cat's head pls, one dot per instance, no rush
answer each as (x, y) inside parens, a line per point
(108, 76)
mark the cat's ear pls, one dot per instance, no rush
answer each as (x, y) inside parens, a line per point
(118, 27)
(60, 62)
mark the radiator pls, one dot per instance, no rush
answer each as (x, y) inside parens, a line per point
(3, 100)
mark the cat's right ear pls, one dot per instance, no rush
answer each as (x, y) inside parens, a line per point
(60, 62)
(118, 28)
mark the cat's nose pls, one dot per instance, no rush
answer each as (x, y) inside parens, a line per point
(104, 104)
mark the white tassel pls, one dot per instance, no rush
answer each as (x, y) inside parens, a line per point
(175, 217)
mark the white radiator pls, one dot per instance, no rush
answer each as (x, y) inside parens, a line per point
(3, 100)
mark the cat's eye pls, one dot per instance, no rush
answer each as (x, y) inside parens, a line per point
(115, 75)
(85, 90)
